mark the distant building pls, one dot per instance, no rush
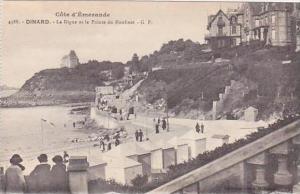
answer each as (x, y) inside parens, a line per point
(250, 114)
(104, 93)
(274, 23)
(224, 30)
(71, 60)
(105, 90)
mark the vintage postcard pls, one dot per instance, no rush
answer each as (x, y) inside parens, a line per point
(152, 97)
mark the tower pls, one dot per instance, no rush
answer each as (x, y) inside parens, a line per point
(71, 60)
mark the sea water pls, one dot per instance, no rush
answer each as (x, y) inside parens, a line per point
(34, 130)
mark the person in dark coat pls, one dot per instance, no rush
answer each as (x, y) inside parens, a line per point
(164, 124)
(140, 134)
(136, 135)
(41, 176)
(106, 137)
(14, 179)
(103, 146)
(197, 127)
(117, 142)
(202, 128)
(59, 178)
(101, 143)
(156, 128)
(108, 146)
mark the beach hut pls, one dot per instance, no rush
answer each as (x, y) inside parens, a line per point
(182, 149)
(196, 142)
(168, 153)
(250, 114)
(122, 169)
(156, 153)
(134, 151)
(97, 167)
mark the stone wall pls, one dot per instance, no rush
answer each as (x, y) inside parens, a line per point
(218, 104)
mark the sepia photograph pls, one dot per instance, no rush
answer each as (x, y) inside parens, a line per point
(149, 97)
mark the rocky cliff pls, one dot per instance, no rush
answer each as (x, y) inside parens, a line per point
(65, 85)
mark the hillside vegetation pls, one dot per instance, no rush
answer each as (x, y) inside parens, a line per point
(266, 78)
(190, 78)
(175, 53)
(65, 85)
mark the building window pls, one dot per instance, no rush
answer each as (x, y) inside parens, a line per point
(233, 29)
(273, 34)
(266, 20)
(220, 30)
(273, 19)
(221, 25)
(256, 23)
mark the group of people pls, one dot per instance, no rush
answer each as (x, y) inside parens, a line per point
(160, 123)
(199, 128)
(107, 141)
(139, 135)
(43, 178)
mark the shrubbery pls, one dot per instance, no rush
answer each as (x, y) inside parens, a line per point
(139, 181)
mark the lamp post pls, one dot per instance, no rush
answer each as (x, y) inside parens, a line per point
(42, 132)
(167, 111)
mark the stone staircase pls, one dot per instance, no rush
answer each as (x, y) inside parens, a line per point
(269, 164)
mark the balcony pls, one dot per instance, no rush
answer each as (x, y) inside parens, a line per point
(209, 36)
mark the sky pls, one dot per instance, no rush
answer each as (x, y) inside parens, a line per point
(30, 48)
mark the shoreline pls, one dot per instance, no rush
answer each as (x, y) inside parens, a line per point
(71, 104)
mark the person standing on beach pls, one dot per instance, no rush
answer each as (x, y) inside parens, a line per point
(202, 128)
(136, 135)
(101, 142)
(14, 179)
(140, 134)
(103, 146)
(117, 142)
(109, 146)
(197, 127)
(164, 124)
(157, 128)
